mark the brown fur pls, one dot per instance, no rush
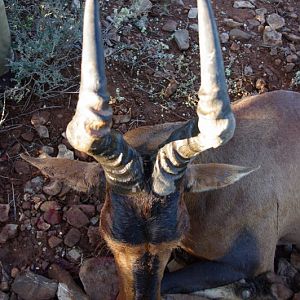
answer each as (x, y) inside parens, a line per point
(266, 202)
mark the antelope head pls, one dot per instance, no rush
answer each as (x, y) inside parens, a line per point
(144, 215)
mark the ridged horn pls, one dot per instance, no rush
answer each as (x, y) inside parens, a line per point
(216, 122)
(90, 129)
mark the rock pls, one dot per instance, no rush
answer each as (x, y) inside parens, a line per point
(292, 37)
(260, 15)
(52, 217)
(260, 84)
(76, 4)
(42, 131)
(30, 286)
(72, 237)
(170, 26)
(94, 235)
(280, 291)
(88, 209)
(64, 152)
(295, 260)
(74, 255)
(141, 6)
(40, 118)
(53, 188)
(248, 71)
(235, 47)
(271, 37)
(22, 167)
(121, 119)
(275, 21)
(4, 211)
(278, 61)
(292, 58)
(252, 23)
(76, 217)
(182, 39)
(286, 271)
(14, 272)
(49, 205)
(224, 37)
(237, 34)
(4, 296)
(54, 241)
(194, 27)
(47, 150)
(14, 150)
(42, 225)
(27, 136)
(193, 13)
(103, 271)
(243, 4)
(67, 288)
(9, 231)
(289, 67)
(232, 24)
(171, 88)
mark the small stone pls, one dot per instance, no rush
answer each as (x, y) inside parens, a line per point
(42, 131)
(88, 209)
(292, 58)
(170, 26)
(237, 34)
(72, 237)
(193, 13)
(104, 272)
(194, 27)
(248, 70)
(9, 231)
(292, 37)
(47, 150)
(273, 51)
(14, 150)
(30, 286)
(252, 23)
(94, 220)
(27, 136)
(224, 37)
(260, 84)
(243, 4)
(232, 24)
(53, 188)
(42, 225)
(54, 241)
(275, 21)
(14, 272)
(52, 217)
(235, 47)
(295, 260)
(64, 152)
(260, 15)
(49, 205)
(289, 67)
(74, 255)
(67, 288)
(271, 37)
(4, 211)
(76, 217)
(94, 235)
(4, 296)
(278, 61)
(141, 6)
(40, 118)
(22, 167)
(182, 39)
(121, 119)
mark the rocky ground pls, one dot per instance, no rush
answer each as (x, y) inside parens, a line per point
(50, 247)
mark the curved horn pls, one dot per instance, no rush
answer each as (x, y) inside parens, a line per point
(90, 129)
(216, 122)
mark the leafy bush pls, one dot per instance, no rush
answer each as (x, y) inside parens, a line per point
(46, 43)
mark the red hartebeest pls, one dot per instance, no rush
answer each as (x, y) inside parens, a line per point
(163, 182)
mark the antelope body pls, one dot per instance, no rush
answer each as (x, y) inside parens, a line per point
(163, 183)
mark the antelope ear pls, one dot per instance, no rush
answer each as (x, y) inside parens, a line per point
(206, 177)
(80, 176)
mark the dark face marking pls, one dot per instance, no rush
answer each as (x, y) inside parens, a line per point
(145, 218)
(145, 274)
